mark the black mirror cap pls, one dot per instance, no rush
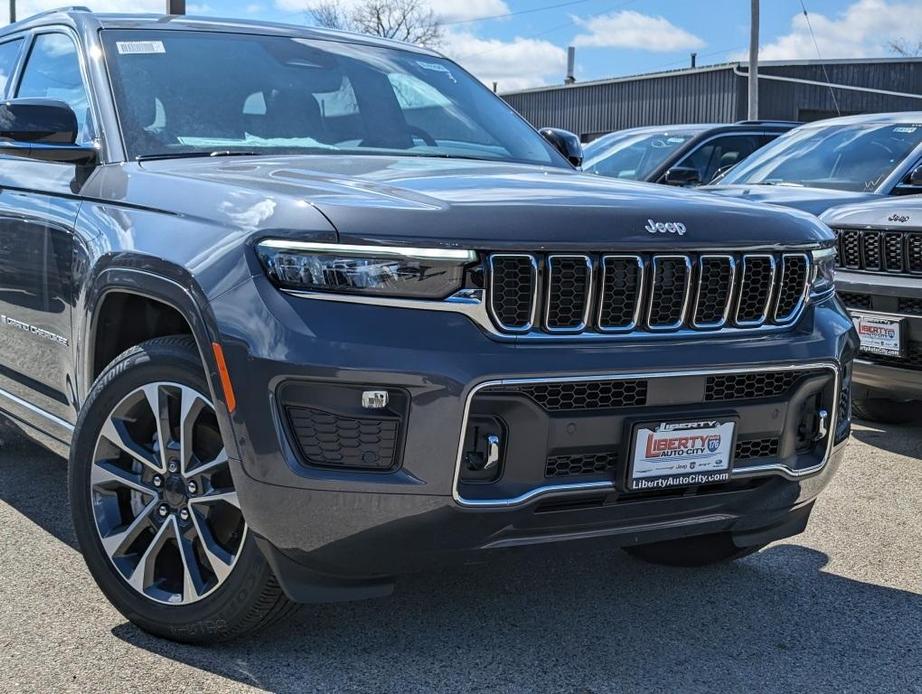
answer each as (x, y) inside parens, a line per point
(43, 130)
(682, 176)
(43, 121)
(566, 143)
(915, 178)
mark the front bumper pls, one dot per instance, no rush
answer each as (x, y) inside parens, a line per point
(329, 529)
(890, 296)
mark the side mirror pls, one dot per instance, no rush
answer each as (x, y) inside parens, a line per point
(915, 178)
(42, 129)
(682, 176)
(566, 143)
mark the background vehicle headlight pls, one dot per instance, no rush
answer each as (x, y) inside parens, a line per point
(393, 271)
(824, 271)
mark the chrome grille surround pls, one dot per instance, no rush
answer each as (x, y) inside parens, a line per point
(655, 293)
(524, 327)
(553, 285)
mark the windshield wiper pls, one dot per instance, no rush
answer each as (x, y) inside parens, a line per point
(778, 182)
(201, 154)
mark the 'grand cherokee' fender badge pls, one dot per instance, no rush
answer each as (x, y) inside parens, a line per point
(665, 227)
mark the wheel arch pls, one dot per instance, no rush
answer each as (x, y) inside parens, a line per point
(184, 300)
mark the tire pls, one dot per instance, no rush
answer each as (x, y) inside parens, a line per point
(886, 411)
(701, 550)
(148, 505)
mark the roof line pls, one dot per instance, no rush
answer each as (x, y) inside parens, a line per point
(735, 65)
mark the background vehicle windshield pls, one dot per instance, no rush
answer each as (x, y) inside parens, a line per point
(185, 93)
(855, 157)
(633, 155)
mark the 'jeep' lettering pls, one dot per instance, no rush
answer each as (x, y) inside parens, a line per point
(665, 227)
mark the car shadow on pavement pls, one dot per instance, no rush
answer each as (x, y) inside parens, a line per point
(578, 621)
(34, 482)
(900, 439)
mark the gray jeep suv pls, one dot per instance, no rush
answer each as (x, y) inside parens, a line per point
(308, 311)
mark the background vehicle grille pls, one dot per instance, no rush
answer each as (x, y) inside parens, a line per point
(575, 293)
(756, 448)
(879, 251)
(579, 464)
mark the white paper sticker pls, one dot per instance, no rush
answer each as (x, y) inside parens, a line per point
(140, 47)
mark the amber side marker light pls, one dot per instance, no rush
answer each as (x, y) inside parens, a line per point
(229, 396)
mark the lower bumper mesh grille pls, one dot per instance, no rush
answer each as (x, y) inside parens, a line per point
(329, 440)
(579, 464)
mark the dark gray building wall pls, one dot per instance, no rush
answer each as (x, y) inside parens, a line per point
(719, 95)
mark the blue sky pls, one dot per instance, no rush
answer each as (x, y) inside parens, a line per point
(522, 43)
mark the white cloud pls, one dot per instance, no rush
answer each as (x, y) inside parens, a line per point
(631, 29)
(862, 30)
(26, 8)
(199, 9)
(445, 10)
(255, 8)
(514, 64)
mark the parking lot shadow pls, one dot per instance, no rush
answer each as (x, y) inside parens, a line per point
(900, 439)
(34, 482)
(577, 621)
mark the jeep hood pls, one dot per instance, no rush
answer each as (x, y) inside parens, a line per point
(812, 200)
(458, 202)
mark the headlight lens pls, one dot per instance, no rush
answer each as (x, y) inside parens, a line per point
(392, 271)
(824, 271)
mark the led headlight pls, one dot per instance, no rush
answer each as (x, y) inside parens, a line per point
(393, 271)
(824, 271)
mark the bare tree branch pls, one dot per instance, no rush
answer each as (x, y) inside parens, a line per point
(404, 20)
(903, 48)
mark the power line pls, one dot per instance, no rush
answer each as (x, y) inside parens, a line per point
(832, 92)
(517, 13)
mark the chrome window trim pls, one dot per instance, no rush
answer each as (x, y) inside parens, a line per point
(641, 294)
(563, 488)
(768, 299)
(549, 284)
(685, 299)
(730, 294)
(808, 282)
(533, 314)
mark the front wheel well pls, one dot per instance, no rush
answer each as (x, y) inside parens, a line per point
(125, 320)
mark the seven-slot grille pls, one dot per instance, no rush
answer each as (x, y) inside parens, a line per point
(577, 293)
(879, 251)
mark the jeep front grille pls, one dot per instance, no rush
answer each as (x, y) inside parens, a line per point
(879, 251)
(582, 293)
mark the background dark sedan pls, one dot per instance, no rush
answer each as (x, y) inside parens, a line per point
(833, 162)
(684, 155)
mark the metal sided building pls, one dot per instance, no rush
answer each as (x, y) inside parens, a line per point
(803, 90)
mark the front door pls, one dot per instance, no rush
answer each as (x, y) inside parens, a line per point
(38, 210)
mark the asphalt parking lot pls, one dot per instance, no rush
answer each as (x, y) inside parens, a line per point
(838, 608)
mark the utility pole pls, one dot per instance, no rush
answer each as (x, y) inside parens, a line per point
(12, 11)
(754, 62)
(175, 6)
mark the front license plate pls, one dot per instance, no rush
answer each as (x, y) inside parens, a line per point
(681, 454)
(879, 335)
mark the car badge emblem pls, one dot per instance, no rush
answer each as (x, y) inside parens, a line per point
(665, 227)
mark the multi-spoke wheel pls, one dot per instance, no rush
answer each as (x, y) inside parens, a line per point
(163, 498)
(154, 502)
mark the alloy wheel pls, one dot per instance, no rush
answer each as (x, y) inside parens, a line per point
(163, 500)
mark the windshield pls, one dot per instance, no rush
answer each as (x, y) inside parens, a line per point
(182, 93)
(633, 155)
(854, 157)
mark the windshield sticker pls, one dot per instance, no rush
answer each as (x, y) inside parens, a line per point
(436, 67)
(140, 47)
(905, 129)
